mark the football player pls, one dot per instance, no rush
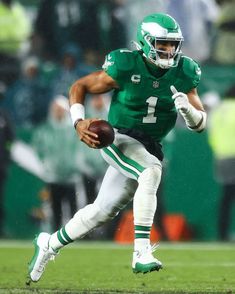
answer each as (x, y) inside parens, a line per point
(151, 85)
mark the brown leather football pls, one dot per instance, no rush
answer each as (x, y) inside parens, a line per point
(104, 131)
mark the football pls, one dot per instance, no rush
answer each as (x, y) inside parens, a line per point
(104, 131)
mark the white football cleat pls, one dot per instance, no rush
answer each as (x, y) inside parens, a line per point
(144, 262)
(42, 254)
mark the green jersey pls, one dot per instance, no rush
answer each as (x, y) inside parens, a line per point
(143, 100)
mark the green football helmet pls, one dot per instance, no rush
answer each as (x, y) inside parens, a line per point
(157, 28)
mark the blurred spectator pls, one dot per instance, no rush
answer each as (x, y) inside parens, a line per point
(112, 26)
(70, 69)
(221, 134)
(14, 34)
(27, 99)
(43, 214)
(97, 107)
(225, 39)
(6, 139)
(211, 99)
(90, 61)
(60, 22)
(91, 25)
(57, 146)
(196, 19)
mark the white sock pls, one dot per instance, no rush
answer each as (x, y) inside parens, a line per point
(59, 239)
(141, 244)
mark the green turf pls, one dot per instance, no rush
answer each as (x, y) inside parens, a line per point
(90, 267)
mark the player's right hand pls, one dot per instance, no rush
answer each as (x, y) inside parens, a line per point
(86, 136)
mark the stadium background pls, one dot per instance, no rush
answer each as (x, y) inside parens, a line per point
(190, 187)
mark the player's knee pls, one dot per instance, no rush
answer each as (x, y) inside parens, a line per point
(93, 216)
(151, 177)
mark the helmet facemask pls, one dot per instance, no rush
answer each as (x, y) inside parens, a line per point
(163, 58)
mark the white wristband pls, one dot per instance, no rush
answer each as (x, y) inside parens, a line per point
(195, 119)
(77, 111)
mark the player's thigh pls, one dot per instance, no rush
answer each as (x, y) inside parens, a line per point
(129, 156)
(116, 191)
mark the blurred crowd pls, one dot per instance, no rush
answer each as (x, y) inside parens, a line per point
(45, 47)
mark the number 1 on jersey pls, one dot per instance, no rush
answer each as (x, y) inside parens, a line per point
(150, 118)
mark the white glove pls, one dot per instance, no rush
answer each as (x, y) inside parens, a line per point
(181, 100)
(194, 119)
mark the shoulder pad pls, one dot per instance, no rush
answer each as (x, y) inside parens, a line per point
(190, 67)
(124, 59)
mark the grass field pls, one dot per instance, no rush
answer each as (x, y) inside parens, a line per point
(103, 267)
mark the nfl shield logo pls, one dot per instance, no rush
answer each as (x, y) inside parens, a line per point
(155, 84)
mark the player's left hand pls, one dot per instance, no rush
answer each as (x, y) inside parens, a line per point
(180, 99)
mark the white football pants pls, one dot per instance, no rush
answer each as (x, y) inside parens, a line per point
(133, 172)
